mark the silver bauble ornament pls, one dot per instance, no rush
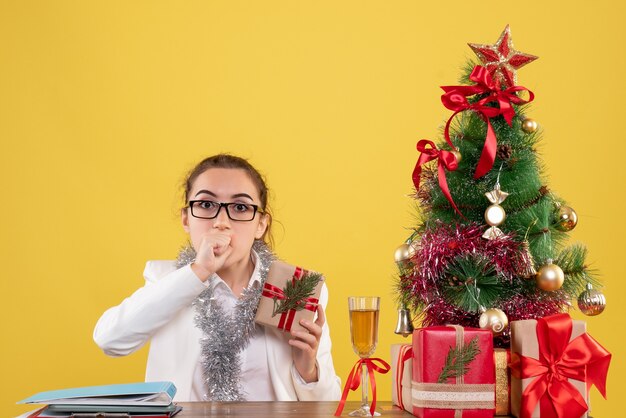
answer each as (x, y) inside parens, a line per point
(591, 302)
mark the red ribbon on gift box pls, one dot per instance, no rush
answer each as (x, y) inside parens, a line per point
(406, 352)
(560, 359)
(455, 99)
(286, 318)
(354, 380)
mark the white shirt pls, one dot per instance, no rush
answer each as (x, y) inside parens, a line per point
(255, 373)
(162, 312)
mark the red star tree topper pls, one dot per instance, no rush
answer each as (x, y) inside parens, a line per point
(501, 59)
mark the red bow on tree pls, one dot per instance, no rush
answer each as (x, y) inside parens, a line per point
(455, 99)
(560, 359)
(446, 161)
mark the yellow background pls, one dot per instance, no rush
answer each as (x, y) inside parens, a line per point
(104, 105)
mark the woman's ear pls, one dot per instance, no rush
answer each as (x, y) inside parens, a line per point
(262, 227)
(184, 215)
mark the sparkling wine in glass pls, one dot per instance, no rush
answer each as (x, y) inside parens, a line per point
(364, 333)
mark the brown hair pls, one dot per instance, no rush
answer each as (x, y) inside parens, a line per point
(233, 162)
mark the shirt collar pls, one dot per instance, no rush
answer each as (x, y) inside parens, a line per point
(216, 280)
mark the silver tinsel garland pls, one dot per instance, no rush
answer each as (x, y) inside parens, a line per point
(225, 336)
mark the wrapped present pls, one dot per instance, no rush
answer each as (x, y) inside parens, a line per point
(502, 358)
(289, 294)
(401, 373)
(453, 373)
(554, 363)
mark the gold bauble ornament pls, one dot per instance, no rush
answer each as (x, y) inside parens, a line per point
(457, 155)
(591, 302)
(402, 254)
(550, 277)
(493, 319)
(414, 247)
(529, 126)
(567, 218)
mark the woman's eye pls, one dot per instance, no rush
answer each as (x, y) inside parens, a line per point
(206, 204)
(240, 207)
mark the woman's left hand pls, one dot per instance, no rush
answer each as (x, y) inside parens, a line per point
(304, 346)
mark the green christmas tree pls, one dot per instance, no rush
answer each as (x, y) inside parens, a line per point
(490, 246)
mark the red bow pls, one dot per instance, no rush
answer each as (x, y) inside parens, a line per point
(354, 380)
(560, 359)
(286, 318)
(455, 99)
(446, 161)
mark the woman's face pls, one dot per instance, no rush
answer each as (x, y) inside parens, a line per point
(226, 185)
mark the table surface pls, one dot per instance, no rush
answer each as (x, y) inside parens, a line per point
(279, 409)
(276, 409)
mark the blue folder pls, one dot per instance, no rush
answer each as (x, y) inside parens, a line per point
(128, 394)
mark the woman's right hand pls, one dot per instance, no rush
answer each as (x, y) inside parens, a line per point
(213, 251)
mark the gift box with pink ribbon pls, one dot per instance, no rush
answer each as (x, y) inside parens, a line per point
(289, 294)
(554, 363)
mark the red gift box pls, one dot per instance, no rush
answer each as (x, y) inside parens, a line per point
(471, 395)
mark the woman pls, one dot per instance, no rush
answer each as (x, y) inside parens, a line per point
(196, 311)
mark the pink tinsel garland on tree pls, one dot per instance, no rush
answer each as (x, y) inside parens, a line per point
(439, 245)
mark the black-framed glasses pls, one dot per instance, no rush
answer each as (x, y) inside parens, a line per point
(236, 211)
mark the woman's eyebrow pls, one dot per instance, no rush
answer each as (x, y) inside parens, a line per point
(236, 195)
(242, 195)
(207, 192)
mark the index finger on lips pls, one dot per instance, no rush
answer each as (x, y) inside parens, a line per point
(226, 253)
(220, 241)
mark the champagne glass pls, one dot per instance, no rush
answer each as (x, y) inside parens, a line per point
(364, 334)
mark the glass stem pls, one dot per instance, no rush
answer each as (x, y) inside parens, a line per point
(364, 401)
